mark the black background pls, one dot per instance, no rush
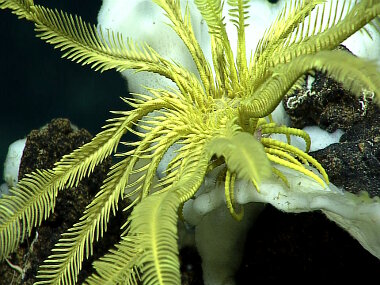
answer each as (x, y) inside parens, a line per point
(37, 85)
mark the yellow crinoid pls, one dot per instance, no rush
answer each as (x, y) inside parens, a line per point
(219, 117)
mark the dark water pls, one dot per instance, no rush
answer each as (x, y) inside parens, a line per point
(36, 84)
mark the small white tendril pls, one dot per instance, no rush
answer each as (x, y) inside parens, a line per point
(367, 98)
(294, 101)
(18, 268)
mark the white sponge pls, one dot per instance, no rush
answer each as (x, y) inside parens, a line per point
(12, 162)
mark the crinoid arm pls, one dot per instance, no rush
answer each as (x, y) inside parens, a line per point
(33, 198)
(149, 252)
(152, 234)
(237, 151)
(21, 8)
(102, 50)
(307, 27)
(354, 73)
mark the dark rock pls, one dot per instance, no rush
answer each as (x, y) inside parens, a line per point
(325, 103)
(43, 148)
(353, 165)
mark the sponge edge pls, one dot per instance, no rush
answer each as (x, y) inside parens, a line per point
(12, 162)
(357, 214)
